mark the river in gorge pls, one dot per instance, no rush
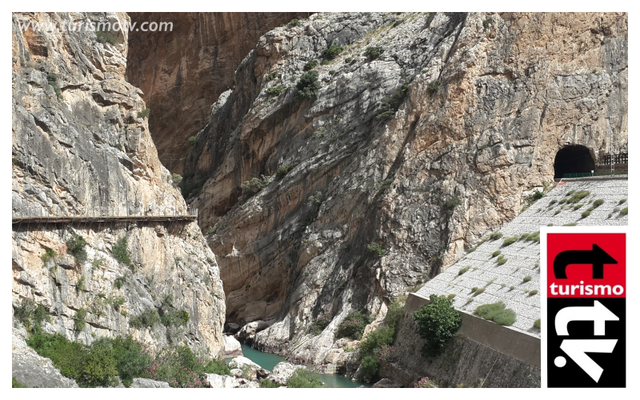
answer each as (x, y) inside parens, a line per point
(268, 361)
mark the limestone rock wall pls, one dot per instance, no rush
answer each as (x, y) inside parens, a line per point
(183, 71)
(80, 148)
(377, 200)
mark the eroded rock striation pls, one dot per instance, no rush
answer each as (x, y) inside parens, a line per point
(422, 133)
(81, 147)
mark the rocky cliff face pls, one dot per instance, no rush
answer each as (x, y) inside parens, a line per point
(81, 148)
(183, 71)
(427, 131)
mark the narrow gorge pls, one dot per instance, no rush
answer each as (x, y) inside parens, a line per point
(283, 175)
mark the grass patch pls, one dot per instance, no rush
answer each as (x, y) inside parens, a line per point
(284, 170)
(497, 313)
(332, 52)
(463, 270)
(373, 52)
(509, 241)
(275, 91)
(526, 279)
(502, 260)
(578, 196)
(536, 324)
(495, 236)
(624, 211)
(304, 378)
(144, 113)
(375, 248)
(106, 37)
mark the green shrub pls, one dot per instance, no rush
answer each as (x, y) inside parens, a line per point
(216, 366)
(310, 65)
(174, 317)
(384, 185)
(509, 241)
(536, 324)
(271, 76)
(375, 248)
(144, 113)
(526, 279)
(495, 236)
(106, 37)
(598, 203)
(31, 315)
(433, 87)
(294, 22)
(192, 140)
(373, 52)
(116, 302)
(463, 270)
(369, 368)
(80, 285)
(586, 214)
(502, 260)
(478, 292)
(378, 338)
(320, 323)
(352, 326)
(395, 314)
(52, 79)
(537, 195)
(268, 383)
(451, 204)
(180, 367)
(495, 253)
(120, 251)
(308, 85)
(284, 170)
(533, 293)
(67, 356)
(437, 323)
(76, 246)
(304, 378)
(389, 105)
(578, 196)
(254, 185)
(496, 312)
(275, 91)
(79, 320)
(624, 211)
(146, 319)
(15, 384)
(48, 255)
(622, 201)
(119, 281)
(332, 52)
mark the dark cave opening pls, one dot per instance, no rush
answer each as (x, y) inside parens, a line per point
(573, 159)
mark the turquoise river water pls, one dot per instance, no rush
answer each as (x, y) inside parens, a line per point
(268, 361)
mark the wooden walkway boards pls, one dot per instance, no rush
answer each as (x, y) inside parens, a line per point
(101, 219)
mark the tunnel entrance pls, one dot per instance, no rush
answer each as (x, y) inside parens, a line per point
(574, 159)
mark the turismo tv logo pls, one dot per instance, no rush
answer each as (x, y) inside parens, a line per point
(586, 309)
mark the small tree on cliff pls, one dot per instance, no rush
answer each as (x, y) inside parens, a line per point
(437, 322)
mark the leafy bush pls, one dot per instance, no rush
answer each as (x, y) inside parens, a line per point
(375, 248)
(437, 323)
(275, 91)
(352, 326)
(310, 65)
(495, 236)
(373, 52)
(369, 368)
(624, 211)
(52, 79)
(308, 85)
(502, 260)
(496, 312)
(271, 76)
(433, 87)
(424, 383)
(389, 105)
(120, 251)
(320, 323)
(537, 195)
(254, 185)
(332, 52)
(174, 317)
(495, 253)
(144, 113)
(106, 37)
(284, 170)
(15, 384)
(79, 320)
(192, 140)
(119, 281)
(31, 315)
(48, 255)
(180, 367)
(304, 378)
(536, 324)
(510, 240)
(268, 383)
(146, 319)
(586, 214)
(577, 196)
(451, 204)
(378, 338)
(598, 203)
(76, 246)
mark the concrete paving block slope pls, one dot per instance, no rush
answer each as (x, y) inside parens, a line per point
(498, 271)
